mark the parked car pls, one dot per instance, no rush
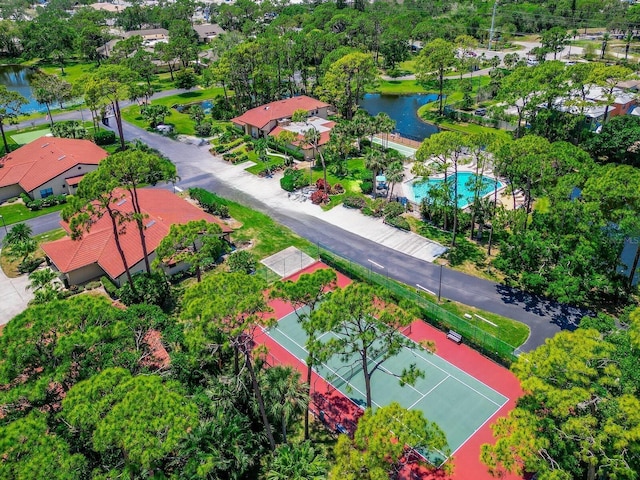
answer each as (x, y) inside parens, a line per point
(480, 112)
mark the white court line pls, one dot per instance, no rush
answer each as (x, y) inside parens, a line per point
(324, 365)
(458, 380)
(477, 429)
(430, 390)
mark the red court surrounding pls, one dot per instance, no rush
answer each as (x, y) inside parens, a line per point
(338, 409)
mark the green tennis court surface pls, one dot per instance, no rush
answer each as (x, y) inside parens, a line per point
(448, 396)
(24, 138)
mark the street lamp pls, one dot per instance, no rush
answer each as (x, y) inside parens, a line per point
(4, 224)
(440, 283)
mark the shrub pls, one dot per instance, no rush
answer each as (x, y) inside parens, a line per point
(104, 137)
(227, 146)
(92, 285)
(248, 139)
(377, 207)
(393, 209)
(203, 129)
(338, 189)
(354, 202)
(292, 180)
(151, 289)
(30, 264)
(228, 157)
(25, 198)
(242, 261)
(398, 222)
(366, 187)
(109, 287)
(210, 202)
(319, 197)
(320, 185)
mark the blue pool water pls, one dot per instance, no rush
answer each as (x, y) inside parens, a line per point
(465, 190)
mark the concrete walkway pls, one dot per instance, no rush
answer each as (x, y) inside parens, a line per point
(15, 296)
(268, 191)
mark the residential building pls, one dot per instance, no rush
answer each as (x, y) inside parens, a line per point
(48, 166)
(270, 119)
(207, 31)
(95, 254)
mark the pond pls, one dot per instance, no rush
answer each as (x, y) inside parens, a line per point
(404, 110)
(16, 78)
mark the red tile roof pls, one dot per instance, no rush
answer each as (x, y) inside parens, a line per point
(162, 208)
(46, 158)
(73, 181)
(261, 116)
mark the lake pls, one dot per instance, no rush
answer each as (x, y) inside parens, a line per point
(16, 78)
(404, 110)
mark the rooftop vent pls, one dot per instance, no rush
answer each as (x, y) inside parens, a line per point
(44, 145)
(266, 108)
(151, 223)
(122, 202)
(62, 157)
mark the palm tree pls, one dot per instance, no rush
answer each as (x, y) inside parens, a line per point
(395, 174)
(312, 138)
(18, 233)
(297, 462)
(627, 43)
(384, 124)
(374, 160)
(285, 395)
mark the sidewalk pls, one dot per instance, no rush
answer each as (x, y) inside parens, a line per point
(15, 296)
(268, 190)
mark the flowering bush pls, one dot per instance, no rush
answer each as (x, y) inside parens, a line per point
(320, 184)
(338, 189)
(319, 197)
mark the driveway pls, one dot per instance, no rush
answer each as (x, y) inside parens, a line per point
(15, 296)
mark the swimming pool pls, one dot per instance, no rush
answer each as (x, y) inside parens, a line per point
(420, 187)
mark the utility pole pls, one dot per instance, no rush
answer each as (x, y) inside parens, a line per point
(493, 23)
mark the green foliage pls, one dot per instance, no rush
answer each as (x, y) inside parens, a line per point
(616, 143)
(104, 137)
(366, 187)
(198, 244)
(142, 417)
(380, 440)
(297, 461)
(367, 330)
(293, 179)
(152, 289)
(398, 222)
(30, 450)
(574, 410)
(186, 79)
(109, 287)
(354, 201)
(210, 202)
(242, 261)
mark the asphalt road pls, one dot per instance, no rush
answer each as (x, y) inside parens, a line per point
(544, 317)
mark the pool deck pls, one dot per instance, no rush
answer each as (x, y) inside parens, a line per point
(503, 199)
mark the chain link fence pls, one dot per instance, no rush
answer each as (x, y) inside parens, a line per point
(483, 341)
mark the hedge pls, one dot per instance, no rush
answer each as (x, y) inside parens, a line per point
(210, 202)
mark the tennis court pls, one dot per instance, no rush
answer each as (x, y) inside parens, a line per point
(28, 137)
(459, 403)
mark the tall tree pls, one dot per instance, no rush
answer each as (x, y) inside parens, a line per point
(608, 77)
(285, 396)
(97, 196)
(344, 83)
(197, 243)
(304, 295)
(48, 89)
(517, 90)
(575, 420)
(297, 461)
(554, 40)
(132, 169)
(10, 104)
(433, 61)
(311, 137)
(381, 440)
(367, 329)
(231, 304)
(109, 85)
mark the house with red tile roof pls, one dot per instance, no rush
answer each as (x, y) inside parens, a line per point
(95, 254)
(48, 166)
(272, 118)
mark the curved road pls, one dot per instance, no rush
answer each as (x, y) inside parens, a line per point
(543, 316)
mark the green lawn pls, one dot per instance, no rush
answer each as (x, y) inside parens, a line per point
(17, 212)
(180, 121)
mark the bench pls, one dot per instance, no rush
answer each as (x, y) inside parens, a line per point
(455, 336)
